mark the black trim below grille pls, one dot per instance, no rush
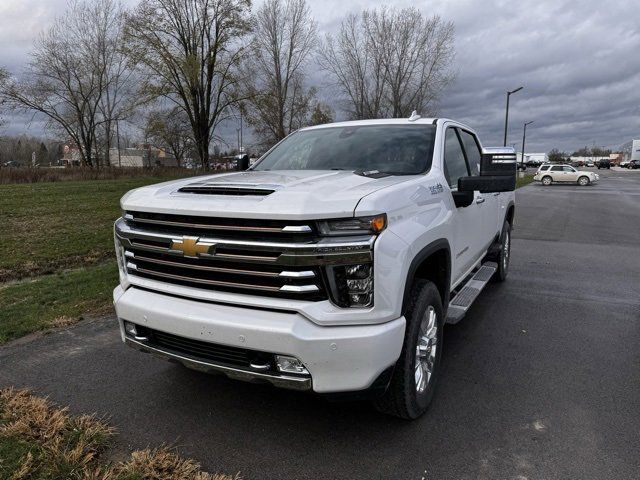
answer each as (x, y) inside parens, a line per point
(205, 351)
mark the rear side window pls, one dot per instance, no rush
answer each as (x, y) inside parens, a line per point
(455, 165)
(544, 168)
(556, 169)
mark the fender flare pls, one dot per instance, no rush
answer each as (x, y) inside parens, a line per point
(430, 249)
(510, 205)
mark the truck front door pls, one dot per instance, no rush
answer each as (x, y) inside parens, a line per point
(467, 222)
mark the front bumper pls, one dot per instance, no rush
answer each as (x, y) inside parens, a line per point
(338, 358)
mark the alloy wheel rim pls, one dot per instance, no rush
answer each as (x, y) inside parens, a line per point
(506, 250)
(426, 349)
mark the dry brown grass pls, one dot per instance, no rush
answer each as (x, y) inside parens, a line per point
(47, 174)
(39, 440)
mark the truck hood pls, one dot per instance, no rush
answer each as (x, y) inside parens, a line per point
(285, 194)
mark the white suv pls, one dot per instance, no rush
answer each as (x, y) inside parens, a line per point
(547, 174)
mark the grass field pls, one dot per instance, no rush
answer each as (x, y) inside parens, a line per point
(47, 227)
(57, 261)
(525, 180)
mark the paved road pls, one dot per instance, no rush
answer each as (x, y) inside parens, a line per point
(541, 380)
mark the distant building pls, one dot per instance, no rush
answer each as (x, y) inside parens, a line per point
(588, 159)
(635, 150)
(538, 158)
(616, 157)
(143, 156)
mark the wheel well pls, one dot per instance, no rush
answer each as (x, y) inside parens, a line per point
(510, 213)
(435, 268)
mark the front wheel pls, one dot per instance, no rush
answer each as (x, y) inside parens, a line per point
(583, 181)
(416, 373)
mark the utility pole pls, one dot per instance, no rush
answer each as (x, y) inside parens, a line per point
(524, 137)
(506, 117)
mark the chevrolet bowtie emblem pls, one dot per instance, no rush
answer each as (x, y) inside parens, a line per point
(191, 247)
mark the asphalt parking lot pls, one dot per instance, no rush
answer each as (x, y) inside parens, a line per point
(540, 381)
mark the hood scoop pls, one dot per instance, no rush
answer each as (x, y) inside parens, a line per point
(233, 189)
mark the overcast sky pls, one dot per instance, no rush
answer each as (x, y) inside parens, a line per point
(579, 62)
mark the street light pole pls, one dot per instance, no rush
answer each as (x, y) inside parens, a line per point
(506, 117)
(524, 137)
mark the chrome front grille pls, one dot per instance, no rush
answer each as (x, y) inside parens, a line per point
(225, 254)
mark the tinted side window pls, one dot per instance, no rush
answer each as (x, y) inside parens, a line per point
(455, 165)
(556, 169)
(568, 169)
(472, 150)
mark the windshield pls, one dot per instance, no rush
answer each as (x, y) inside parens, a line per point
(394, 149)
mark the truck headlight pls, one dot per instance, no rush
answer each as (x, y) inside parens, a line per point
(354, 226)
(351, 285)
(122, 262)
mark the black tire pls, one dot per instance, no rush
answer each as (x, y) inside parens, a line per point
(403, 398)
(548, 179)
(504, 257)
(580, 182)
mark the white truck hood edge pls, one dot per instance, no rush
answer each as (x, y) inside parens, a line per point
(297, 195)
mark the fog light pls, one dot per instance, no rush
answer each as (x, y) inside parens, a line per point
(290, 365)
(130, 328)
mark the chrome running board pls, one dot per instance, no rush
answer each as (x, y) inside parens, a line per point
(465, 297)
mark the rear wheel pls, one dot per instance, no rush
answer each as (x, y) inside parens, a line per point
(547, 180)
(583, 181)
(505, 253)
(416, 373)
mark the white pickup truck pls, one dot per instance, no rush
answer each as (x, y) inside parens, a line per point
(331, 265)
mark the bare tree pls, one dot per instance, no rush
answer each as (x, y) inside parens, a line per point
(189, 52)
(389, 62)
(120, 97)
(67, 76)
(278, 100)
(170, 129)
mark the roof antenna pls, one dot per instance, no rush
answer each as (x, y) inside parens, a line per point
(414, 116)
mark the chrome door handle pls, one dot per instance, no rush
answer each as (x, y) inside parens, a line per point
(480, 200)
(496, 194)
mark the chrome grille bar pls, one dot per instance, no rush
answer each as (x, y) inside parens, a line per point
(284, 273)
(266, 288)
(214, 226)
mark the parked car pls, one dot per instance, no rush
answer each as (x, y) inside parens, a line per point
(589, 164)
(624, 164)
(332, 270)
(604, 164)
(548, 174)
(522, 166)
(634, 164)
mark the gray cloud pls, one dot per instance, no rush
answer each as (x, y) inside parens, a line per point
(578, 61)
